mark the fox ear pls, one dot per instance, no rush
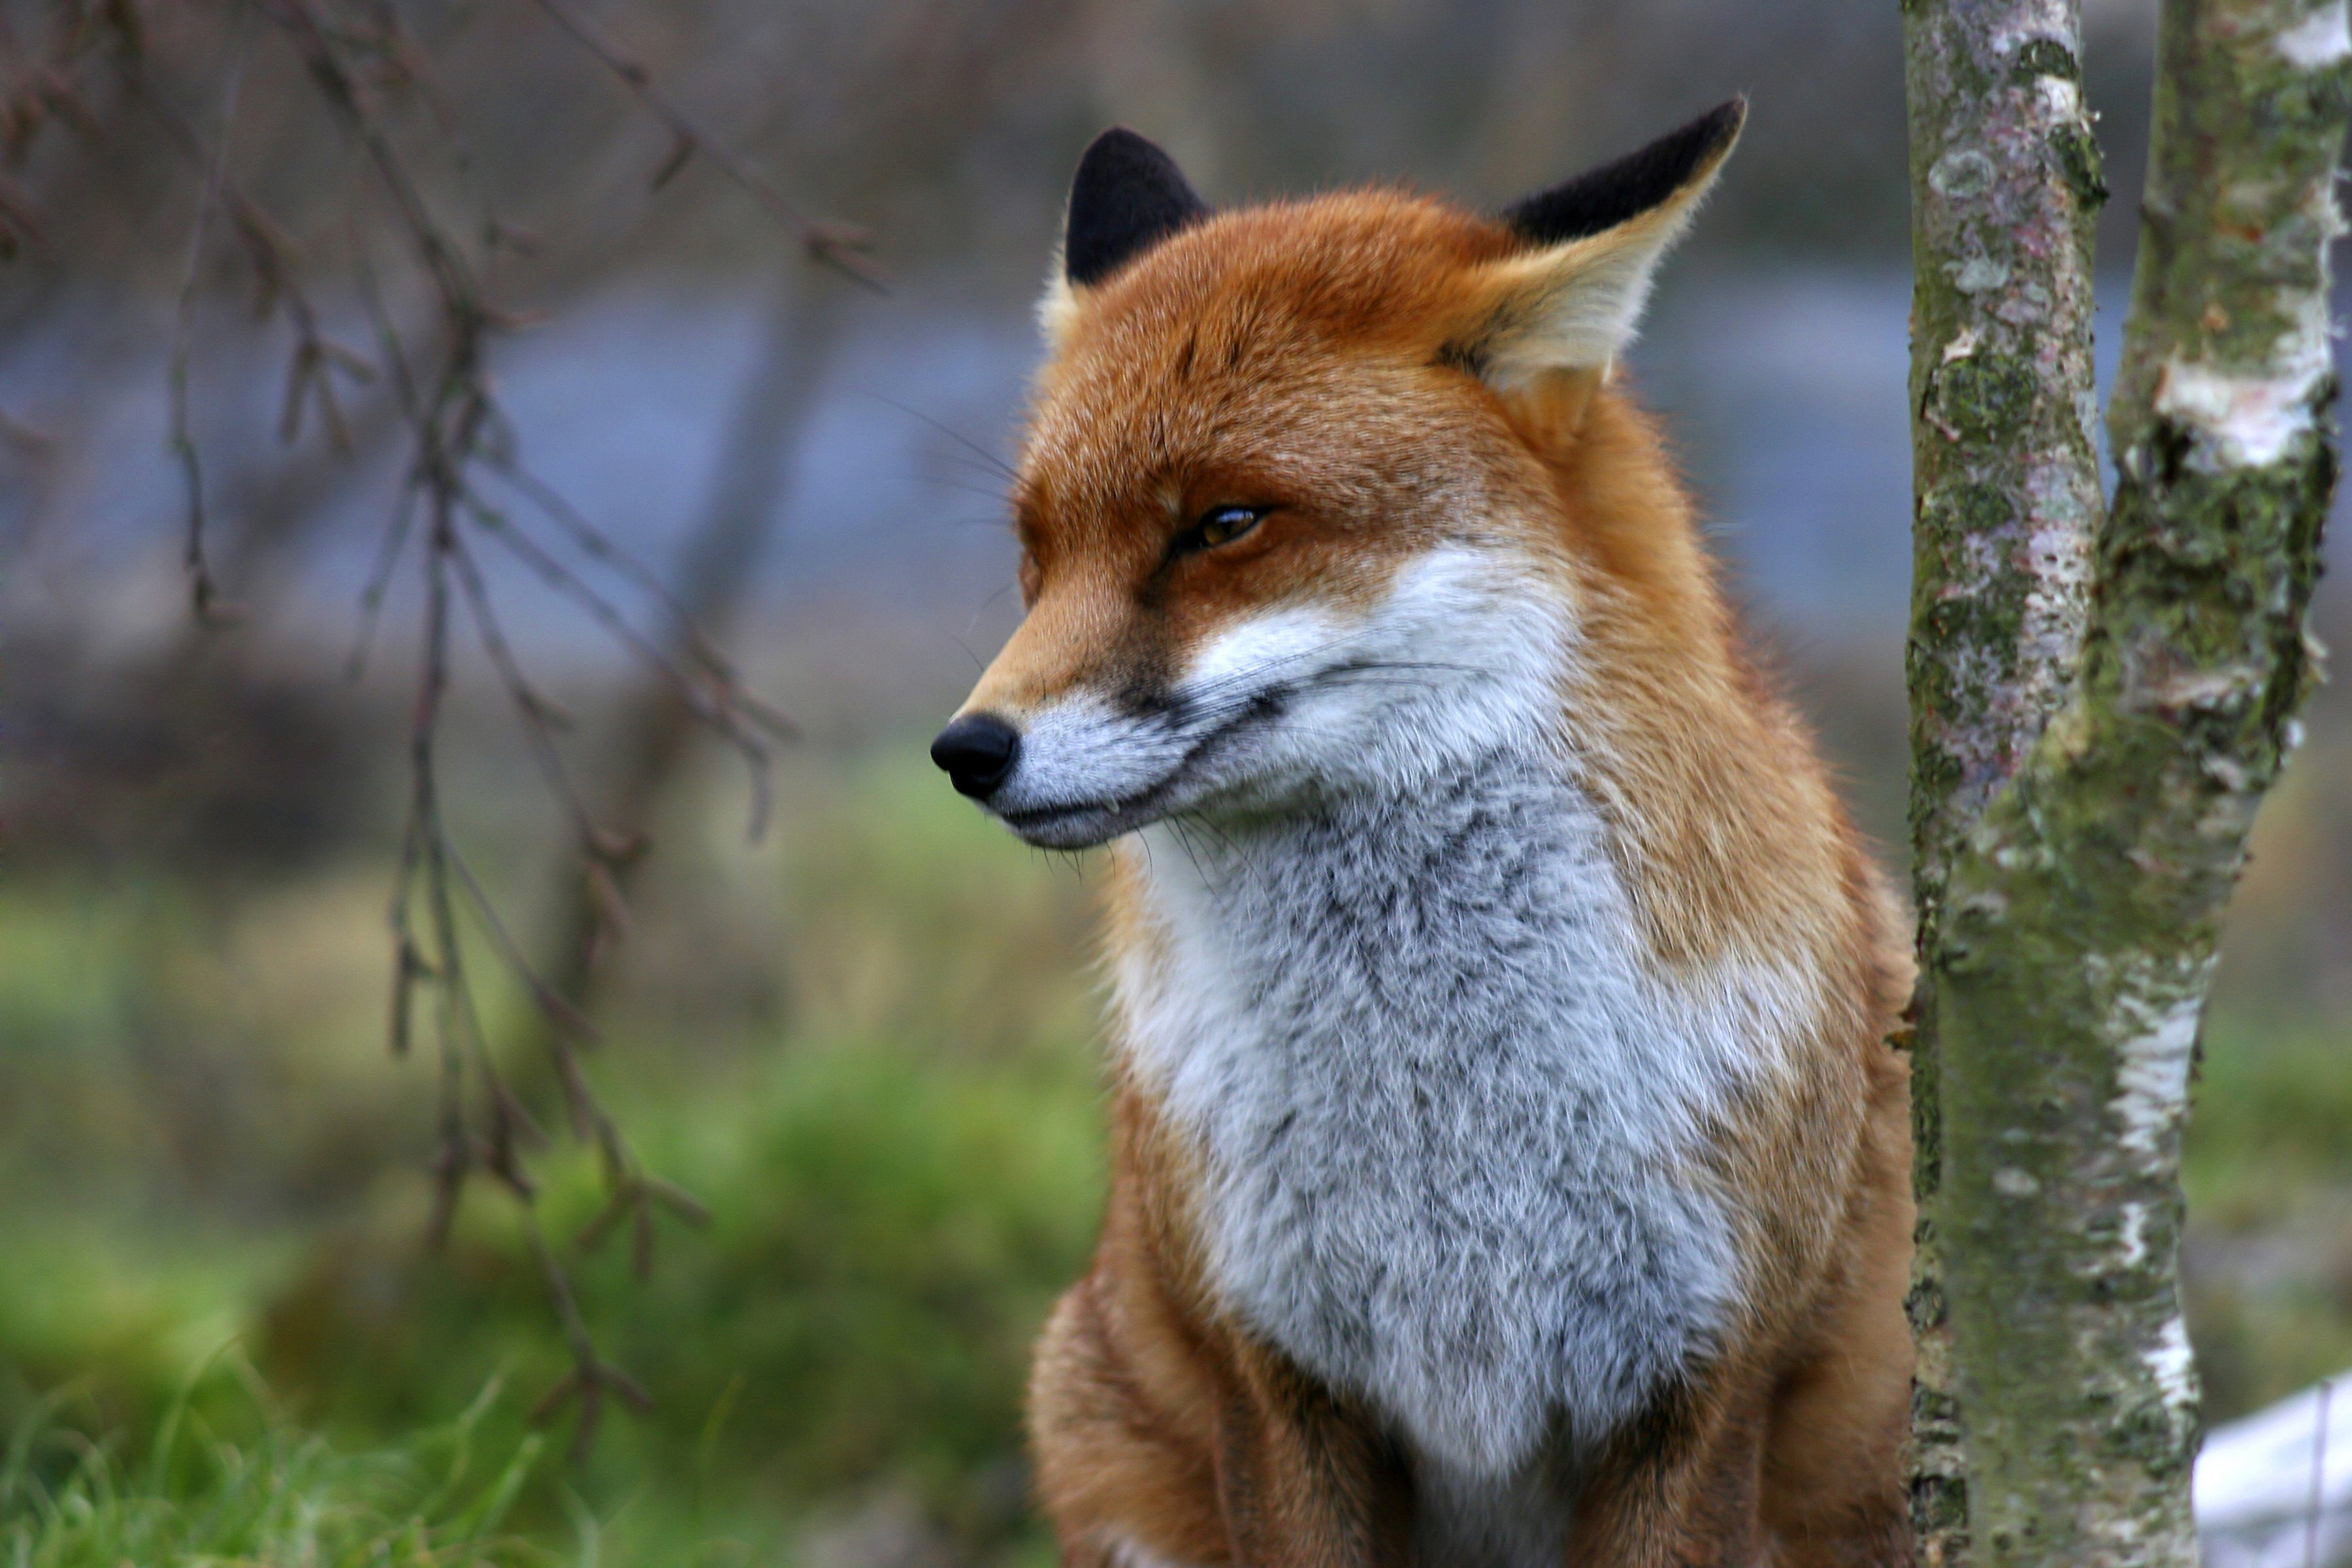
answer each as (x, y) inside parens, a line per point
(1570, 302)
(1128, 196)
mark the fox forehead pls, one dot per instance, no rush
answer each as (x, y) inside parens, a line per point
(1365, 265)
(1290, 354)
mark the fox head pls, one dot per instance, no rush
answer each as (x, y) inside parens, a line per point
(1291, 507)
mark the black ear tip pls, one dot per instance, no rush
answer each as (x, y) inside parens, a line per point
(1117, 153)
(1117, 142)
(1632, 186)
(1127, 196)
(1726, 119)
(1701, 141)
(1707, 138)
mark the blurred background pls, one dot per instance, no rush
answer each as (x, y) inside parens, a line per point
(864, 1041)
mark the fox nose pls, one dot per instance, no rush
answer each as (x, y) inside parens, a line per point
(977, 750)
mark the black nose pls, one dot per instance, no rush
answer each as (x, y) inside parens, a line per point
(977, 750)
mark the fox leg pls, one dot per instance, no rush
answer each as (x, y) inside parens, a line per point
(1216, 1456)
(1834, 1491)
(1128, 1480)
(1303, 1482)
(1680, 1489)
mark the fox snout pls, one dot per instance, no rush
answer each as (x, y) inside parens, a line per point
(977, 752)
(1075, 732)
(1080, 769)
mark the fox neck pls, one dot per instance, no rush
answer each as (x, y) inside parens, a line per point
(1446, 1109)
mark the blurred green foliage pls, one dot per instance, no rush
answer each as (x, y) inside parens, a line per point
(895, 1124)
(887, 1233)
(868, 1047)
(2269, 1243)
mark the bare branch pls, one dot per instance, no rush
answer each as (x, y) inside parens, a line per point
(379, 578)
(438, 381)
(716, 713)
(598, 546)
(541, 715)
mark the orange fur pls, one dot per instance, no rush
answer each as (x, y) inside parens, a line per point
(1206, 373)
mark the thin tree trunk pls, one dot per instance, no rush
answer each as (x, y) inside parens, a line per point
(2006, 491)
(2079, 914)
(714, 575)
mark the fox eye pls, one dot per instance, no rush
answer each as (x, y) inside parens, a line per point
(1221, 525)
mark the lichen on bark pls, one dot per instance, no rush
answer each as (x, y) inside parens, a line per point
(2006, 187)
(2074, 922)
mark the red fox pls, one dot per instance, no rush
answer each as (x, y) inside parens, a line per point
(1510, 1165)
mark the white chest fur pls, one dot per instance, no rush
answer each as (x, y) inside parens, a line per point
(1447, 1111)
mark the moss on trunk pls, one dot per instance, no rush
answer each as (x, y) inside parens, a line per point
(2006, 491)
(2068, 929)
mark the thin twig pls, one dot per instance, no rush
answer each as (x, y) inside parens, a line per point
(590, 1374)
(379, 578)
(839, 245)
(540, 714)
(456, 431)
(556, 1007)
(443, 261)
(600, 547)
(203, 591)
(718, 715)
(278, 272)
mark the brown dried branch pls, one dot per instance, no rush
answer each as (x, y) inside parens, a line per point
(449, 425)
(592, 1377)
(575, 1023)
(541, 715)
(278, 273)
(443, 259)
(275, 256)
(352, 52)
(20, 217)
(41, 90)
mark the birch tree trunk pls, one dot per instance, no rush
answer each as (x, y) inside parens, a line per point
(2076, 916)
(2005, 194)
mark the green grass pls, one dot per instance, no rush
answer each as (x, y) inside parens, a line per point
(279, 1498)
(2273, 1119)
(887, 1233)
